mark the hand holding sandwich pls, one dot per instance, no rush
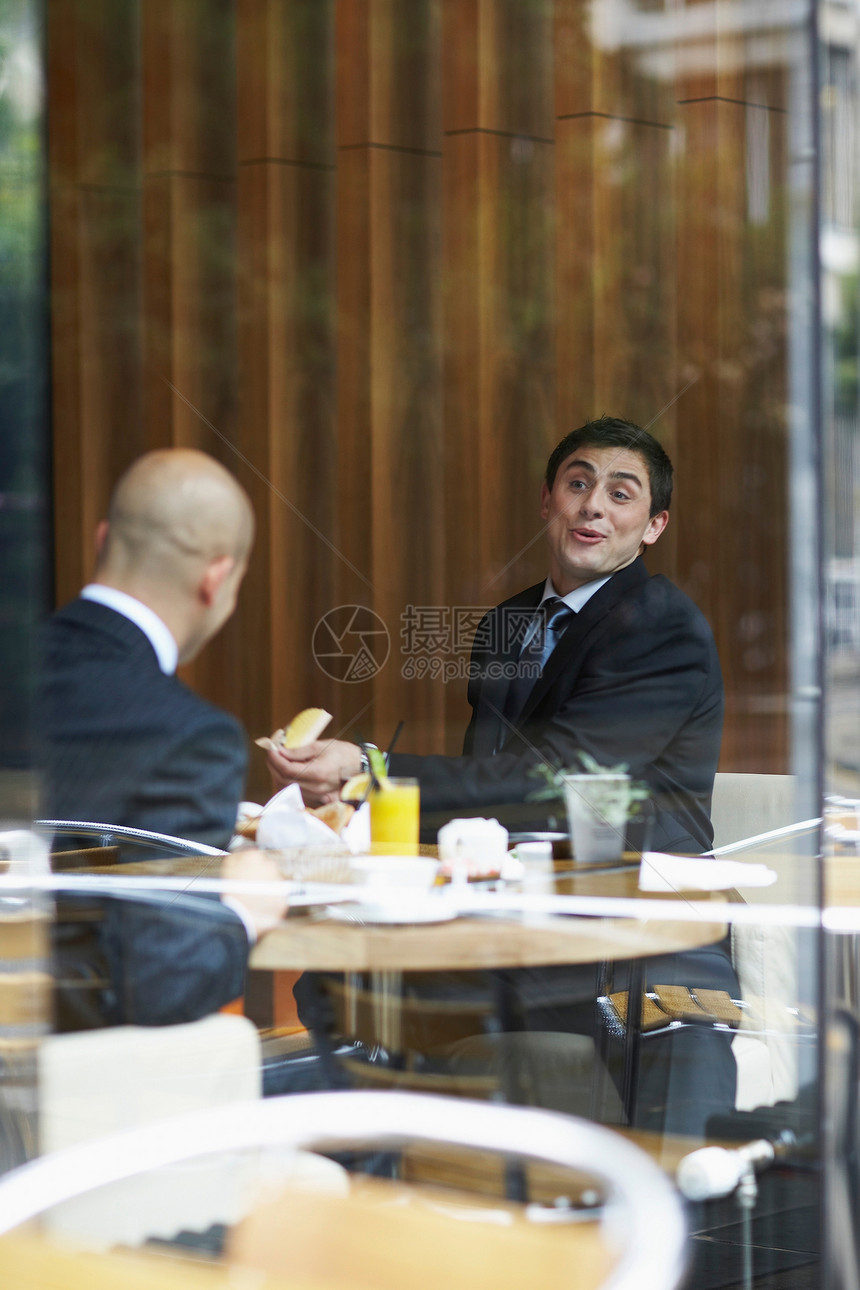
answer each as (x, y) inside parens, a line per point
(297, 755)
(319, 768)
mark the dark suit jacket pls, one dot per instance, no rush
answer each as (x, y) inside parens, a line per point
(635, 678)
(121, 743)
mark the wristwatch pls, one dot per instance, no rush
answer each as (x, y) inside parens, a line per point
(365, 760)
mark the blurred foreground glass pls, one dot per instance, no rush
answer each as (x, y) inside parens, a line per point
(394, 813)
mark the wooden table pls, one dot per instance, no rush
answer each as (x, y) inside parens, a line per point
(316, 944)
(305, 942)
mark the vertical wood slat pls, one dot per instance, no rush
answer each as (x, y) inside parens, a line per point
(732, 553)
(614, 195)
(388, 344)
(188, 172)
(286, 352)
(498, 262)
(95, 259)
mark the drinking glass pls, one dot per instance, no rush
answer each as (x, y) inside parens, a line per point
(394, 813)
(597, 809)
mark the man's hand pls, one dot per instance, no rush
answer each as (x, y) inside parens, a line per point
(319, 768)
(264, 908)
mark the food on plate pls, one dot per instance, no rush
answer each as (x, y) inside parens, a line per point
(247, 819)
(247, 828)
(335, 814)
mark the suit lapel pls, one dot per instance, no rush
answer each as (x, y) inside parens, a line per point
(490, 730)
(565, 654)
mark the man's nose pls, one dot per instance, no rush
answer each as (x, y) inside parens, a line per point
(591, 504)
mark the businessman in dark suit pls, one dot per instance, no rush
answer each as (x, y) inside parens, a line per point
(600, 658)
(604, 659)
(124, 742)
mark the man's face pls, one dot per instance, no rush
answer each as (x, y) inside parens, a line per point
(597, 515)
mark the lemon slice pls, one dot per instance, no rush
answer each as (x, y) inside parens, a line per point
(378, 767)
(305, 727)
(357, 788)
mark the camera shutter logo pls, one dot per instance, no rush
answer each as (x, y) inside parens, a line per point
(350, 643)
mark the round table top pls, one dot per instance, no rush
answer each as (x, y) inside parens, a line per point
(494, 941)
(308, 942)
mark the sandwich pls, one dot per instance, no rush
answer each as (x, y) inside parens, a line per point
(304, 728)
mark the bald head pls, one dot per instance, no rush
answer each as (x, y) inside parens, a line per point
(176, 507)
(178, 535)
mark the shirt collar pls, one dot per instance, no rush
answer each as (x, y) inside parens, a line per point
(577, 599)
(154, 628)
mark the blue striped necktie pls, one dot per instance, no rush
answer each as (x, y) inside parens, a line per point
(544, 633)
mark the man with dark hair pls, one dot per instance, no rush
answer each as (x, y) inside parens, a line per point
(612, 432)
(600, 658)
(604, 659)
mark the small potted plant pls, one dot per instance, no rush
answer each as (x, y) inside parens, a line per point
(599, 800)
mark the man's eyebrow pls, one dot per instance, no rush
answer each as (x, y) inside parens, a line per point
(615, 474)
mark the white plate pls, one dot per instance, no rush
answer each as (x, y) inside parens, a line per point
(395, 913)
(394, 871)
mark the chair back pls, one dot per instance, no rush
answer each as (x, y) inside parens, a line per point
(744, 806)
(642, 1212)
(765, 957)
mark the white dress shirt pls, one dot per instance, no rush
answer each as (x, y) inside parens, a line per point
(154, 628)
(578, 599)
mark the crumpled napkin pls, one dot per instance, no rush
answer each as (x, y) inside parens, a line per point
(285, 823)
(661, 872)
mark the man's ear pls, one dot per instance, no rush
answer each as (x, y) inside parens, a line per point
(655, 527)
(544, 500)
(102, 529)
(216, 574)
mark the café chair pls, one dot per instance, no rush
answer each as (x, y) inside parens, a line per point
(81, 844)
(640, 1212)
(745, 807)
(100, 1082)
(386, 1040)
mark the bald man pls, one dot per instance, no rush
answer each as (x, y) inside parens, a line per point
(126, 742)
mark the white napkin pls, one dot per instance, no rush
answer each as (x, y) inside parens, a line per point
(661, 872)
(285, 823)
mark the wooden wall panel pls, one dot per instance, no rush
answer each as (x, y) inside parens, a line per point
(499, 300)
(188, 180)
(615, 218)
(286, 352)
(731, 428)
(389, 405)
(95, 259)
(386, 252)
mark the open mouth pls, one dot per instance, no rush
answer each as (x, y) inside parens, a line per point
(590, 536)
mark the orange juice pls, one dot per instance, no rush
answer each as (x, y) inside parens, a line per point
(394, 818)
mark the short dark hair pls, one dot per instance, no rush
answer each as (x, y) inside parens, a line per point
(612, 432)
